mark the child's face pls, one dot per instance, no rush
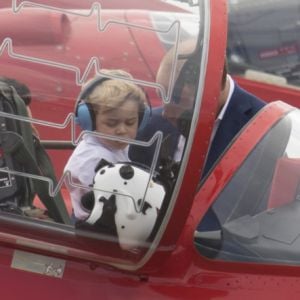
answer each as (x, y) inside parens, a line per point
(121, 121)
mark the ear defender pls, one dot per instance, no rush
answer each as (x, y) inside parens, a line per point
(85, 116)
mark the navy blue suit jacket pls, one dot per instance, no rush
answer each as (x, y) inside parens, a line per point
(241, 108)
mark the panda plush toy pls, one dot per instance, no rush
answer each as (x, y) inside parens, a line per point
(121, 205)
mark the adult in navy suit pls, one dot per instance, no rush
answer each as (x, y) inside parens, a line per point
(236, 108)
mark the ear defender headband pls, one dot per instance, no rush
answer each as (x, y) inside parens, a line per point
(84, 113)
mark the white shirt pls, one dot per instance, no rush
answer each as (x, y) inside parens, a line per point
(224, 108)
(181, 141)
(82, 163)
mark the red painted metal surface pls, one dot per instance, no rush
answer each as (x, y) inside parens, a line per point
(176, 270)
(271, 92)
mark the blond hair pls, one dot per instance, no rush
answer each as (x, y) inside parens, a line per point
(113, 92)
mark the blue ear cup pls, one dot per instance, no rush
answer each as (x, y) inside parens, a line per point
(83, 117)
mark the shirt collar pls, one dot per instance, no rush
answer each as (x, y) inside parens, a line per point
(96, 140)
(231, 87)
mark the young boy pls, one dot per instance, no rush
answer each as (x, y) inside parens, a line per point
(115, 107)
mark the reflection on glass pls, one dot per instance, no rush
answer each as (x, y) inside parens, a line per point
(259, 210)
(85, 180)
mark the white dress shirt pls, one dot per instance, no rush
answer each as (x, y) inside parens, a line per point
(181, 141)
(82, 163)
(224, 108)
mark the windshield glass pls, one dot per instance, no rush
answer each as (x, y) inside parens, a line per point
(94, 98)
(258, 212)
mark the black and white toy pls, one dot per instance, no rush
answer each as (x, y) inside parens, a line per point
(121, 205)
